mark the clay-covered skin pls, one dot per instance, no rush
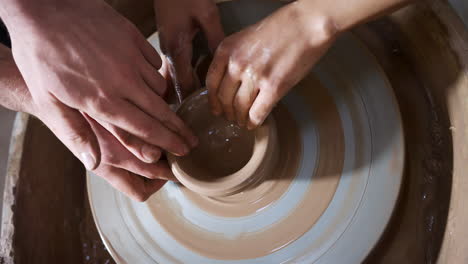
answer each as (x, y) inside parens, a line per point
(224, 147)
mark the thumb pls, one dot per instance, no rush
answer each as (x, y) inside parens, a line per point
(72, 129)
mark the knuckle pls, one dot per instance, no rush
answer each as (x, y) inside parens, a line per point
(110, 158)
(236, 66)
(223, 48)
(267, 83)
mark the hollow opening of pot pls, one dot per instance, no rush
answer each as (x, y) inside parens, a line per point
(224, 147)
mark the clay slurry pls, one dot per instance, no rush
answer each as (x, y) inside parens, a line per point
(224, 147)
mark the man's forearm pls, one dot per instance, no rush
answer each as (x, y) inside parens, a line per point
(19, 15)
(14, 94)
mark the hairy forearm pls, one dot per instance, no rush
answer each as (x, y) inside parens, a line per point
(13, 92)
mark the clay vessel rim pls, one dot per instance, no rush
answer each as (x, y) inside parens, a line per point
(264, 141)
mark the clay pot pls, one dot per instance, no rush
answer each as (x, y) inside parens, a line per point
(228, 158)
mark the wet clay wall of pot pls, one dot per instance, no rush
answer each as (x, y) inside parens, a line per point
(422, 50)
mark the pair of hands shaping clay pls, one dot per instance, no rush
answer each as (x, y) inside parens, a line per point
(228, 158)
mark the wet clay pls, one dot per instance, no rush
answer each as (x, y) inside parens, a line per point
(324, 181)
(223, 147)
(260, 196)
(228, 158)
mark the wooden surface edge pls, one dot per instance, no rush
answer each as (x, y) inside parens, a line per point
(11, 180)
(455, 246)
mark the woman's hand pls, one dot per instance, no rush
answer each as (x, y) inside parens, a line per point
(83, 55)
(254, 68)
(178, 21)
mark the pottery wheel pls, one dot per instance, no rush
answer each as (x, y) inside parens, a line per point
(329, 200)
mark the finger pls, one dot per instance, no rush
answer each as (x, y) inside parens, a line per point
(179, 56)
(142, 150)
(262, 106)
(153, 79)
(156, 107)
(135, 121)
(115, 140)
(210, 23)
(132, 185)
(214, 77)
(74, 132)
(170, 97)
(149, 53)
(244, 99)
(227, 90)
(115, 154)
(158, 170)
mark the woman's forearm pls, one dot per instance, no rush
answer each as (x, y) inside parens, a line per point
(345, 14)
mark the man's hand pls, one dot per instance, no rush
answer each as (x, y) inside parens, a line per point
(178, 21)
(84, 55)
(81, 134)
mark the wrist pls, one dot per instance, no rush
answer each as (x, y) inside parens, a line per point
(318, 24)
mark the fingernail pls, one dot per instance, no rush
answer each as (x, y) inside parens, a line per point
(88, 160)
(150, 154)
